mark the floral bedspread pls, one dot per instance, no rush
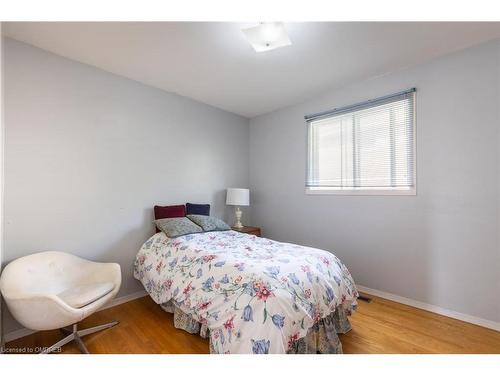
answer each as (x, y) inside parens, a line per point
(254, 294)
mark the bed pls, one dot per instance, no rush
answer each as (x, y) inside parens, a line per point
(249, 294)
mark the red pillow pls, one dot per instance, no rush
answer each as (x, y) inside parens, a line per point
(164, 212)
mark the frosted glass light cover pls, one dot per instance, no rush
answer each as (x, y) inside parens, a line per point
(267, 36)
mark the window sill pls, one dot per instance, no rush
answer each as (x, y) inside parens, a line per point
(312, 191)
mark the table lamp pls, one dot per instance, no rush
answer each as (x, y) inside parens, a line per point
(238, 197)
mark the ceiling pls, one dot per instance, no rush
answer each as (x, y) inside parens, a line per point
(213, 63)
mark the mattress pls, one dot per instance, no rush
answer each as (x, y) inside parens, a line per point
(254, 295)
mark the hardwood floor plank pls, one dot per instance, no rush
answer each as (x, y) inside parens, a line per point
(381, 326)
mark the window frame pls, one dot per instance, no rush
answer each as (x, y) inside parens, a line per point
(412, 191)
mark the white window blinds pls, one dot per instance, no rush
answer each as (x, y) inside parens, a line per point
(367, 146)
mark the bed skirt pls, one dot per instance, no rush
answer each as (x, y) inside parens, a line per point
(322, 338)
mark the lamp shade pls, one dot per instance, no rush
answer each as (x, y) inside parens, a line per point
(238, 197)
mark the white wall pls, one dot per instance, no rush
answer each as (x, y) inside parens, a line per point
(441, 246)
(88, 154)
(2, 336)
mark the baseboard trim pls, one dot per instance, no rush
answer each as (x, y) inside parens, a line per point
(378, 293)
(432, 308)
(17, 334)
(124, 299)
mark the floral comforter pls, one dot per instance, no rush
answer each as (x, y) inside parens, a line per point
(254, 294)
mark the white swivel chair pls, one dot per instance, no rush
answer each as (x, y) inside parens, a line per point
(51, 290)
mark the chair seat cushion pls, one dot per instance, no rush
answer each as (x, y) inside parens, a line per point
(83, 295)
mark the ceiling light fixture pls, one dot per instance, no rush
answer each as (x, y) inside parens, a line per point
(267, 36)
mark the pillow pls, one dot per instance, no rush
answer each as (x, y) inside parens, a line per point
(163, 212)
(197, 209)
(209, 223)
(177, 226)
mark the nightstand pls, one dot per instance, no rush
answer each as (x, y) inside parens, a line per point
(249, 230)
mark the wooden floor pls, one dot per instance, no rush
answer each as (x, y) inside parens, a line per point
(381, 326)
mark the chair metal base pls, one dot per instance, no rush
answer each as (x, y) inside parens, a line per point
(76, 335)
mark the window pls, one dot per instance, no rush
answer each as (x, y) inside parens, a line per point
(367, 148)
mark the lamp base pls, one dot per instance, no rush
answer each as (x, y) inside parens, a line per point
(237, 214)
